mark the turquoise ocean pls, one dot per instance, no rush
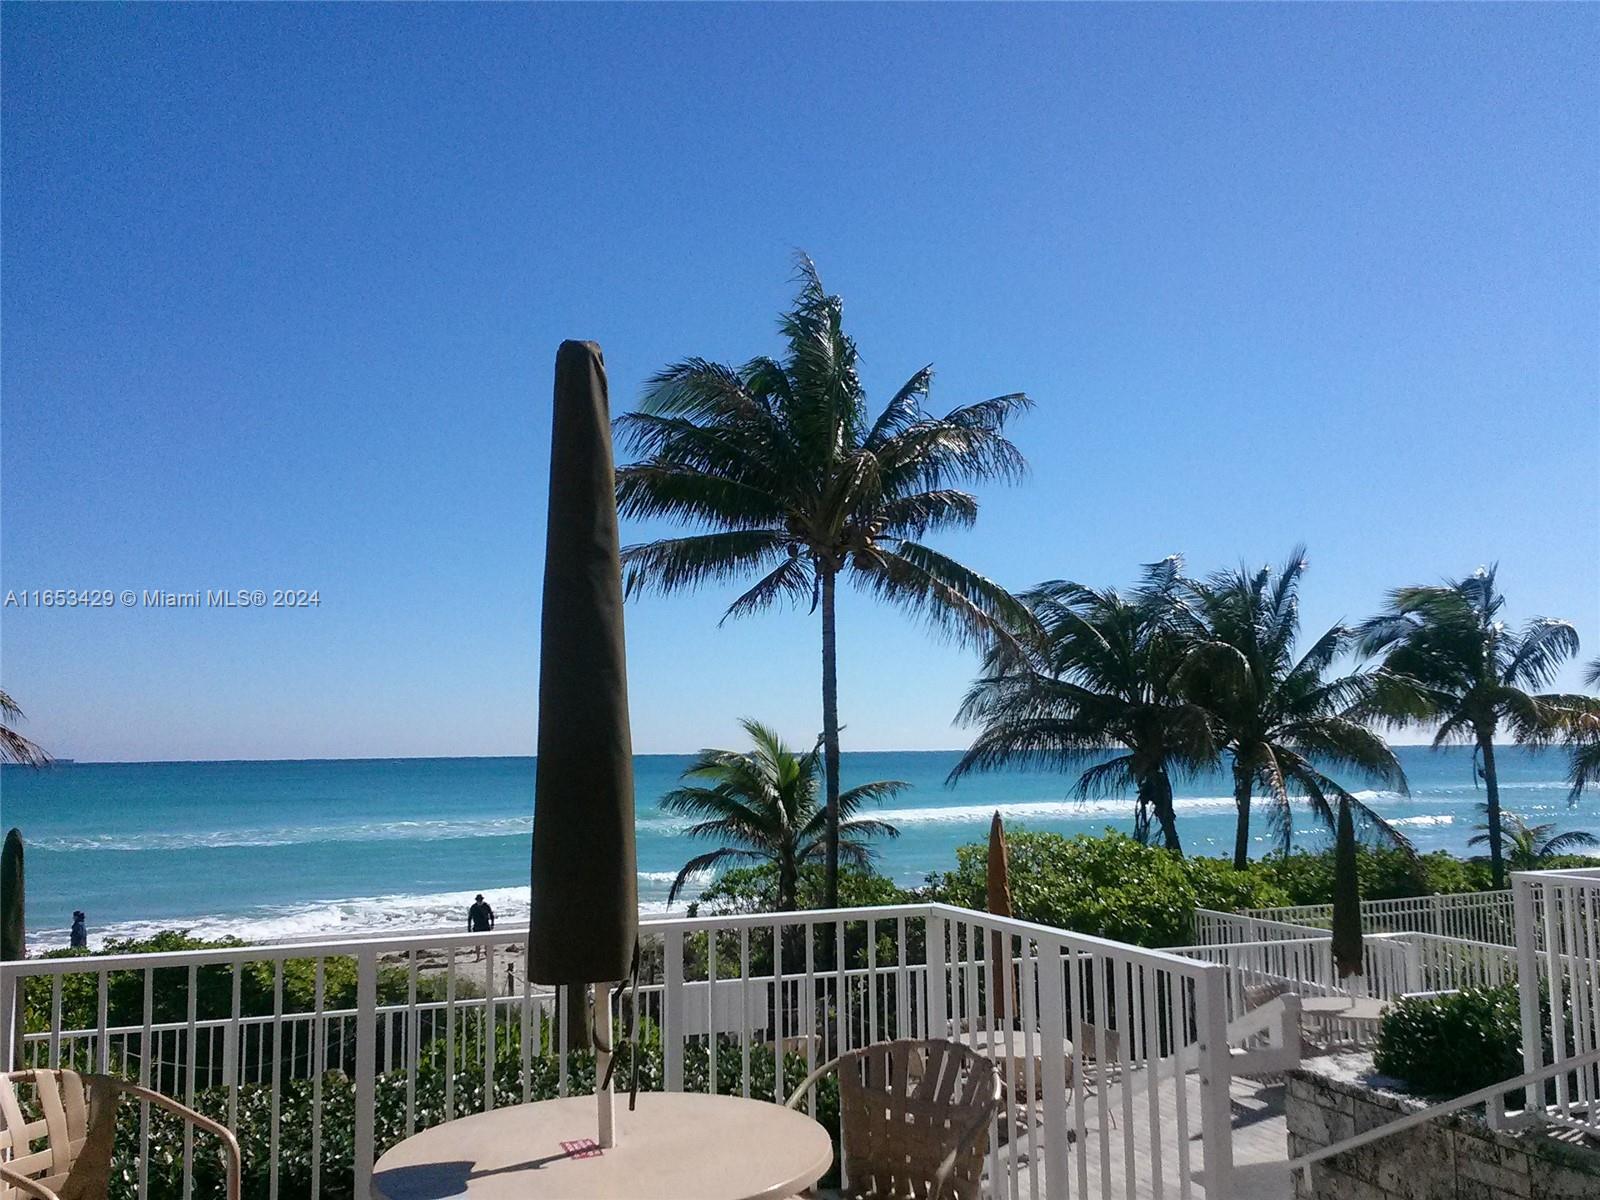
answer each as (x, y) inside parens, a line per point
(286, 849)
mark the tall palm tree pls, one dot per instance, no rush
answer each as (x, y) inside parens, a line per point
(1583, 734)
(1281, 718)
(790, 478)
(14, 748)
(1449, 661)
(1529, 845)
(1098, 672)
(762, 806)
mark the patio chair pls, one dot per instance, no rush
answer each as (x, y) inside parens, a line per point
(913, 1117)
(77, 1123)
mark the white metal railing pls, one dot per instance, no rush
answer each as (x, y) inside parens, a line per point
(335, 1034)
(1212, 927)
(1259, 972)
(1448, 964)
(1473, 916)
(1558, 946)
(1393, 965)
(1118, 1057)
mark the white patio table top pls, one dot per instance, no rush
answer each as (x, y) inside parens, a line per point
(674, 1144)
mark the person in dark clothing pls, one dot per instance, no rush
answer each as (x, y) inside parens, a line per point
(480, 919)
(80, 931)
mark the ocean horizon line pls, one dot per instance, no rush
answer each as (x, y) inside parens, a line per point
(70, 761)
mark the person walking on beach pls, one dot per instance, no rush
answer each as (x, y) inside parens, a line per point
(480, 919)
(80, 931)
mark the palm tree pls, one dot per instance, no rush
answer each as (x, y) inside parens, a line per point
(762, 806)
(1450, 662)
(790, 478)
(1099, 672)
(1583, 733)
(14, 748)
(1531, 845)
(1281, 718)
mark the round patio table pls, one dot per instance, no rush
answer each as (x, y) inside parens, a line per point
(674, 1144)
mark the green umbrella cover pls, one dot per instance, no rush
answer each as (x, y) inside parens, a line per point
(585, 908)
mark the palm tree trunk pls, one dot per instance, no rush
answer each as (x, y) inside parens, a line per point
(1491, 785)
(830, 738)
(1161, 803)
(1243, 779)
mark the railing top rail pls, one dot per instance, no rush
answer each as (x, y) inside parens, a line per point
(1423, 935)
(1584, 876)
(1274, 944)
(1423, 1116)
(1397, 904)
(331, 947)
(352, 945)
(1075, 941)
(816, 916)
(393, 943)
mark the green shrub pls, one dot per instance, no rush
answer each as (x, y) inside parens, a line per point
(1218, 886)
(1386, 873)
(1452, 1044)
(1109, 886)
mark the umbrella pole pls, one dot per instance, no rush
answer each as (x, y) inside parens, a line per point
(605, 1111)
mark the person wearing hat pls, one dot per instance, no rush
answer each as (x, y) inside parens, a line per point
(480, 918)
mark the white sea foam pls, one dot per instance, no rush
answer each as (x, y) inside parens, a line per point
(293, 835)
(1428, 819)
(1059, 808)
(350, 916)
(1037, 810)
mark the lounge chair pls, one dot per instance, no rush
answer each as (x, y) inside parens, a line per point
(77, 1125)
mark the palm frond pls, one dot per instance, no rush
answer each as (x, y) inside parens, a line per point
(790, 580)
(705, 862)
(674, 563)
(1544, 644)
(954, 599)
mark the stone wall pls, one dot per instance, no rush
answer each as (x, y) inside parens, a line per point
(1455, 1158)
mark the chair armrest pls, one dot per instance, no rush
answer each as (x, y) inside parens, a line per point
(230, 1144)
(26, 1186)
(809, 1080)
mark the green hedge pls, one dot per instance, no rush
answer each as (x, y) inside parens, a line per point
(1109, 886)
(1455, 1043)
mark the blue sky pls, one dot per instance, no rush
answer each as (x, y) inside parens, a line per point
(282, 288)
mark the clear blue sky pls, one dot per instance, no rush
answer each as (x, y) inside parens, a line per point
(283, 286)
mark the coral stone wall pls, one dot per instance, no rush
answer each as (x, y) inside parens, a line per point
(1455, 1158)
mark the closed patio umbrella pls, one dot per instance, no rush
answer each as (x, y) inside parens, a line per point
(1346, 941)
(999, 888)
(585, 912)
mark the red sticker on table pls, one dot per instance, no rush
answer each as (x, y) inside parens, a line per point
(582, 1148)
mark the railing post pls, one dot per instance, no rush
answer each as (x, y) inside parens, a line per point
(1053, 1053)
(672, 1011)
(1413, 960)
(1528, 983)
(10, 1050)
(366, 1068)
(938, 972)
(1216, 1079)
